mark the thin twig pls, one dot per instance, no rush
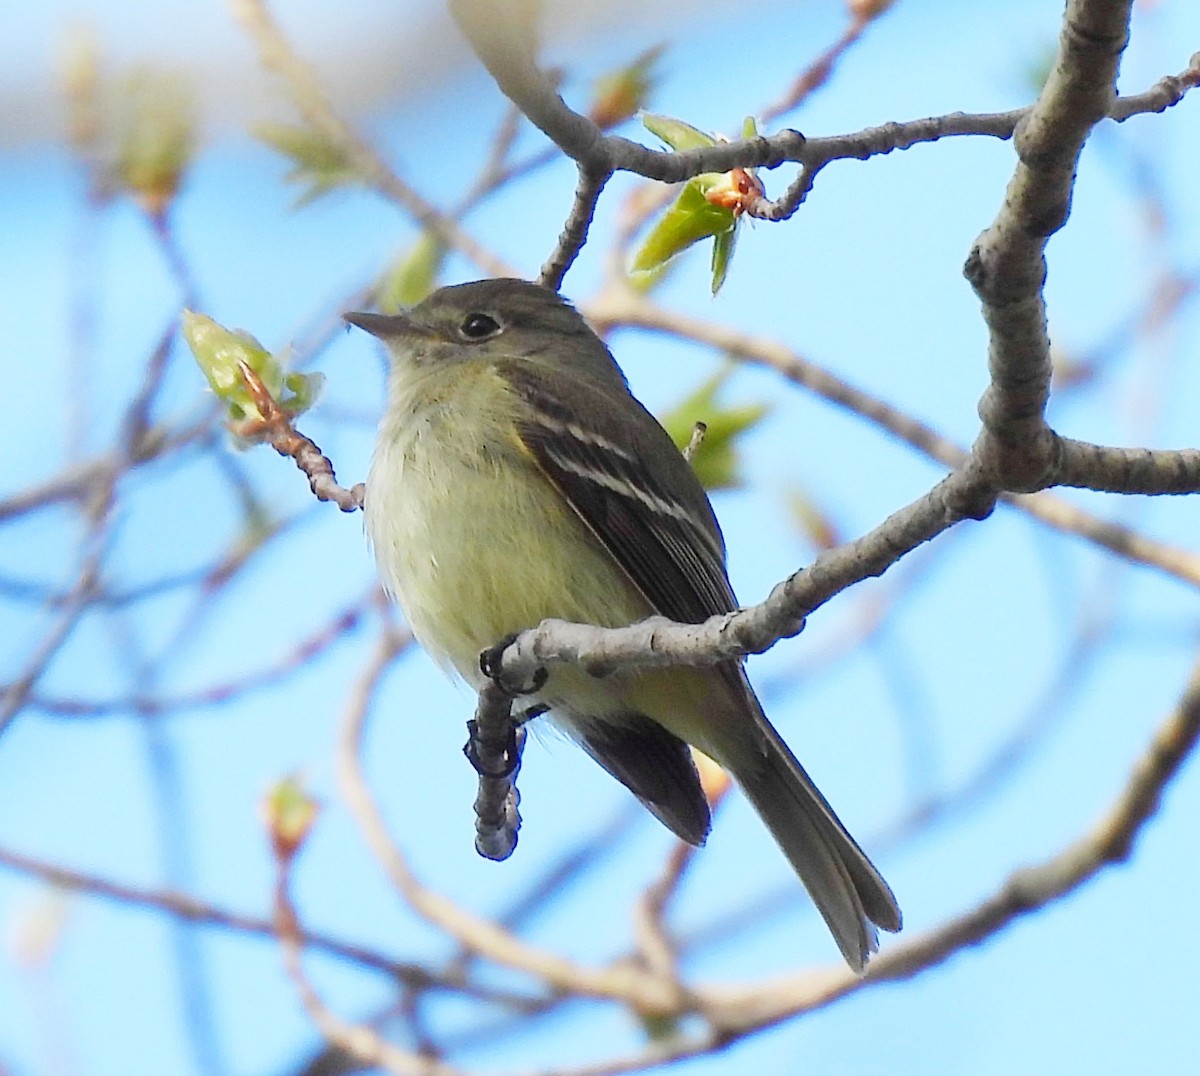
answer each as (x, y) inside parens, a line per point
(277, 54)
(74, 607)
(817, 73)
(360, 1041)
(575, 230)
(191, 909)
(274, 426)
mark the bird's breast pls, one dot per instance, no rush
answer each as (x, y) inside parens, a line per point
(473, 540)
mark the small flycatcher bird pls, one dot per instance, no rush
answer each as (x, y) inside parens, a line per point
(516, 478)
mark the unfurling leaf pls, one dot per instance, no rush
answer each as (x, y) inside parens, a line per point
(318, 163)
(709, 205)
(413, 276)
(301, 392)
(675, 133)
(722, 253)
(715, 458)
(691, 219)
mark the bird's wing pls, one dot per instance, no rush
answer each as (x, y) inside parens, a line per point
(629, 484)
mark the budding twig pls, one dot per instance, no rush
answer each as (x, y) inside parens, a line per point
(274, 426)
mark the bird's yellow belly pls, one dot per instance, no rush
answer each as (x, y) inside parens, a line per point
(488, 557)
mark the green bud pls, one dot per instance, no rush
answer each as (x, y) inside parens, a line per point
(220, 353)
(289, 813)
(620, 94)
(156, 139)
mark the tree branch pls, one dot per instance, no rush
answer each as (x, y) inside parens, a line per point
(658, 642)
(1007, 266)
(1127, 470)
(575, 230)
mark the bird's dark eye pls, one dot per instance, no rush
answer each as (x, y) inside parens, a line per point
(479, 326)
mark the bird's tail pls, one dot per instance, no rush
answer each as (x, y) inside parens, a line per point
(848, 891)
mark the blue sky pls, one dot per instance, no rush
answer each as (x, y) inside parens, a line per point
(866, 280)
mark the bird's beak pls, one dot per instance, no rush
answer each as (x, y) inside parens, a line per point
(384, 325)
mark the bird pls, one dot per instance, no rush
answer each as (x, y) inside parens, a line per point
(516, 478)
